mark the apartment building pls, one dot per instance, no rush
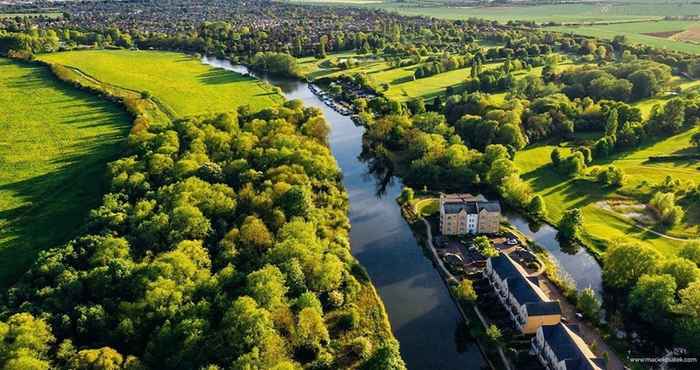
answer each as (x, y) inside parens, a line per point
(526, 303)
(559, 347)
(462, 214)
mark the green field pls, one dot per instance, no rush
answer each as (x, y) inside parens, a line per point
(602, 223)
(54, 144)
(30, 15)
(638, 32)
(183, 84)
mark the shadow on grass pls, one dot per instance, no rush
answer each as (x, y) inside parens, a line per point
(52, 206)
(220, 76)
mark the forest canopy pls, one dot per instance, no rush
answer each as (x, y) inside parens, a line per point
(227, 233)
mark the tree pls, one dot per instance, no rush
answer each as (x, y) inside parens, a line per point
(25, 342)
(612, 123)
(653, 297)
(683, 271)
(464, 291)
(690, 300)
(104, 358)
(626, 262)
(691, 251)
(386, 357)
(500, 170)
(407, 195)
(483, 244)
(589, 304)
(493, 334)
(664, 204)
(612, 176)
(311, 330)
(556, 157)
(570, 225)
(695, 140)
(537, 207)
(267, 286)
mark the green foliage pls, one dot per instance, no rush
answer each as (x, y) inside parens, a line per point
(611, 176)
(493, 333)
(233, 262)
(691, 251)
(653, 297)
(683, 271)
(589, 304)
(483, 244)
(570, 225)
(537, 207)
(625, 263)
(464, 291)
(666, 209)
(25, 342)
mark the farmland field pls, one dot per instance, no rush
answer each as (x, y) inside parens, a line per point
(183, 84)
(659, 34)
(590, 12)
(54, 144)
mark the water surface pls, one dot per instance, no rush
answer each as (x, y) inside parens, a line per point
(423, 316)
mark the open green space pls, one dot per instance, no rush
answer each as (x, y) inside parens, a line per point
(601, 223)
(54, 144)
(182, 83)
(581, 12)
(30, 15)
(658, 34)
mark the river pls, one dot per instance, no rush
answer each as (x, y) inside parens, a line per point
(422, 314)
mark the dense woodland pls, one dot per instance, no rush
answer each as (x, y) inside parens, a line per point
(223, 243)
(232, 227)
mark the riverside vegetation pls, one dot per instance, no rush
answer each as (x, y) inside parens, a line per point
(576, 131)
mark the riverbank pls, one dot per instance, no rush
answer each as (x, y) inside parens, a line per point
(423, 316)
(553, 283)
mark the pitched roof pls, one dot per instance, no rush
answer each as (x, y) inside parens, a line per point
(491, 206)
(522, 290)
(543, 308)
(570, 348)
(504, 266)
(455, 203)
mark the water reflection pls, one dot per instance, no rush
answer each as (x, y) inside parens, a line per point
(423, 317)
(575, 262)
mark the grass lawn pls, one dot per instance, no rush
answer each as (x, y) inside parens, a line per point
(183, 84)
(54, 144)
(602, 224)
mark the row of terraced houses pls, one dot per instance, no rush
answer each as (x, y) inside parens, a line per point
(557, 345)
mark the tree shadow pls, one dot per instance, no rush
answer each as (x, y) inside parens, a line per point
(50, 205)
(220, 76)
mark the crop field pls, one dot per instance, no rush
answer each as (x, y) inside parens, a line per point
(183, 84)
(601, 222)
(670, 35)
(54, 144)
